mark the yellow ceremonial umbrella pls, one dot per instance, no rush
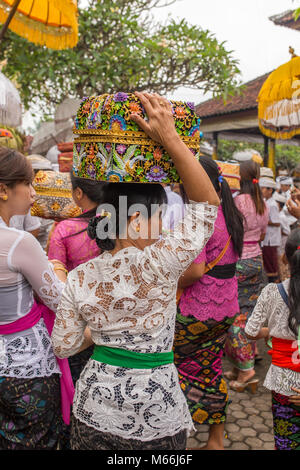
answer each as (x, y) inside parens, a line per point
(51, 23)
(279, 102)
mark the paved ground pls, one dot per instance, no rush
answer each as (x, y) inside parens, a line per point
(249, 423)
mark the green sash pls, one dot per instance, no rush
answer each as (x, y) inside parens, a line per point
(132, 360)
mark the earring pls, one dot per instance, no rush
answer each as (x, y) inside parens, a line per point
(5, 198)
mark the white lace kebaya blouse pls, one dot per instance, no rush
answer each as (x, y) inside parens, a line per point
(271, 307)
(24, 268)
(129, 301)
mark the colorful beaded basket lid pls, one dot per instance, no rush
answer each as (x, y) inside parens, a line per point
(112, 147)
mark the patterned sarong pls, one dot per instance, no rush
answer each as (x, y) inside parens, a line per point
(286, 421)
(30, 413)
(198, 349)
(239, 350)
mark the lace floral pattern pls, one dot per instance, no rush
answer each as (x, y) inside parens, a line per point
(25, 269)
(270, 307)
(28, 354)
(129, 302)
(211, 298)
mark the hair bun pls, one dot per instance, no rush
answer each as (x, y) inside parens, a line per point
(106, 244)
(92, 227)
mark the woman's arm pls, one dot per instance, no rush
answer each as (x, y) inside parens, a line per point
(260, 314)
(295, 399)
(161, 128)
(263, 333)
(191, 275)
(29, 259)
(70, 334)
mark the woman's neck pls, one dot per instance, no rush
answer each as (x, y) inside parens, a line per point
(87, 206)
(5, 216)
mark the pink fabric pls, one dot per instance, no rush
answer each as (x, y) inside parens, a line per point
(75, 250)
(28, 321)
(72, 252)
(24, 323)
(211, 298)
(67, 389)
(254, 224)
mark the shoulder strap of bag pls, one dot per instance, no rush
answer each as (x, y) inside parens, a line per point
(283, 294)
(211, 265)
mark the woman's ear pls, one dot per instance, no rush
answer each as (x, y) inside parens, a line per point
(78, 194)
(3, 192)
(134, 225)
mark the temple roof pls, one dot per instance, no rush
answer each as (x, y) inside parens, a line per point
(247, 100)
(286, 19)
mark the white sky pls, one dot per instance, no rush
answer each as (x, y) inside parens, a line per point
(258, 44)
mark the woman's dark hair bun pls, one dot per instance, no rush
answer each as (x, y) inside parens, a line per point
(106, 244)
(92, 227)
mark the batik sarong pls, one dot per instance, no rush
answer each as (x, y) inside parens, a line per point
(239, 350)
(286, 421)
(84, 437)
(198, 351)
(30, 413)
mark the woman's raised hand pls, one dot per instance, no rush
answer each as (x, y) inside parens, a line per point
(160, 125)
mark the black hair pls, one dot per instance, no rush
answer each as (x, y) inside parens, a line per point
(250, 173)
(292, 252)
(233, 217)
(93, 190)
(147, 194)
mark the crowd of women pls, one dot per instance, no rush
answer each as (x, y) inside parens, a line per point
(116, 342)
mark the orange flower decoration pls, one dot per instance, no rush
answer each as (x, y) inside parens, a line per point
(157, 154)
(91, 155)
(180, 112)
(134, 108)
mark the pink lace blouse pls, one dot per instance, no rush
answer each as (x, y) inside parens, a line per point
(254, 224)
(74, 250)
(211, 298)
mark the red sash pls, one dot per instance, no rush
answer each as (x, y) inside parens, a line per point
(285, 354)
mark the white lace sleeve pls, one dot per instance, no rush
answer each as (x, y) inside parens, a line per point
(28, 258)
(68, 332)
(172, 255)
(261, 312)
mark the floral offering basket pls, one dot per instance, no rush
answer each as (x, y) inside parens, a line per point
(112, 147)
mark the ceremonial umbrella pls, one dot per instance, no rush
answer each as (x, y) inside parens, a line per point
(51, 23)
(279, 102)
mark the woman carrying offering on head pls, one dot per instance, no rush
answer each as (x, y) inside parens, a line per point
(30, 413)
(239, 350)
(128, 396)
(206, 310)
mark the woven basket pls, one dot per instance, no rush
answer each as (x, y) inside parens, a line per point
(231, 172)
(54, 196)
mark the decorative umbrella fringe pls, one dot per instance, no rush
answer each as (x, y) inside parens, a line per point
(269, 110)
(42, 34)
(277, 134)
(280, 90)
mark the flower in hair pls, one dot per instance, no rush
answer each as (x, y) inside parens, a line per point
(221, 178)
(104, 214)
(255, 181)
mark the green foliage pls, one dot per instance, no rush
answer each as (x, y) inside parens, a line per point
(121, 48)
(287, 156)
